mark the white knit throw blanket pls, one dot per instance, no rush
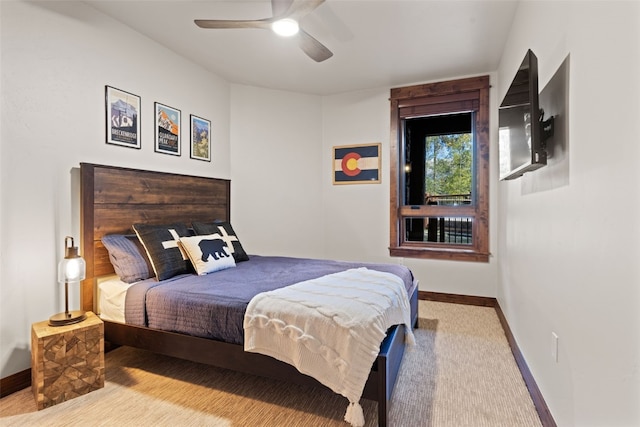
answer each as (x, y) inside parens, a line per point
(330, 328)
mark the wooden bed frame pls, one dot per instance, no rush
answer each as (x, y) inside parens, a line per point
(114, 198)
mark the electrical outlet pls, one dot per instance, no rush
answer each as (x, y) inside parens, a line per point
(554, 346)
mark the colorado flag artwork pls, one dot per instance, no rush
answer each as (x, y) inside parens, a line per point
(356, 164)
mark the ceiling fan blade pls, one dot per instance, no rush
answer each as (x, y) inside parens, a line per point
(300, 8)
(312, 47)
(280, 8)
(294, 9)
(217, 23)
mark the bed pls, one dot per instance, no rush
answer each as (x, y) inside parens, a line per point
(114, 198)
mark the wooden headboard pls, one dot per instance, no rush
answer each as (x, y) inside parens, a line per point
(115, 198)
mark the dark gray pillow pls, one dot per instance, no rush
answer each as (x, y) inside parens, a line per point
(128, 257)
(161, 244)
(224, 229)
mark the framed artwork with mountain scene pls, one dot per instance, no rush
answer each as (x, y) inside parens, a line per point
(200, 138)
(167, 130)
(122, 118)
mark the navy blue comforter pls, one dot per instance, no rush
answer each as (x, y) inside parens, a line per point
(213, 306)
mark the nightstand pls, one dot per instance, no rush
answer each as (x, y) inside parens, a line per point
(66, 361)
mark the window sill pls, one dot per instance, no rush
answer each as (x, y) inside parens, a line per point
(451, 254)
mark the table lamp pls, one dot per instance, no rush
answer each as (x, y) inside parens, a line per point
(70, 270)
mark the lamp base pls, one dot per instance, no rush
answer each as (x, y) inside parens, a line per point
(69, 318)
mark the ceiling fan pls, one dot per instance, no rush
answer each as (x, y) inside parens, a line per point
(286, 15)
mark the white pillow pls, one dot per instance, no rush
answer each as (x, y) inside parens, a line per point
(208, 253)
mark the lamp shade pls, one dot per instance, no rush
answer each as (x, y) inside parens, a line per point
(72, 269)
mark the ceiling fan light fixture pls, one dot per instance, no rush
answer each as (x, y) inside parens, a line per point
(284, 22)
(286, 27)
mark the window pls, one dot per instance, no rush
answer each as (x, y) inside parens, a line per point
(440, 170)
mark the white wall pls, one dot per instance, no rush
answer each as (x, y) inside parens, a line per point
(569, 255)
(356, 216)
(276, 200)
(56, 60)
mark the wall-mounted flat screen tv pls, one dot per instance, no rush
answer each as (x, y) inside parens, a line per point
(521, 143)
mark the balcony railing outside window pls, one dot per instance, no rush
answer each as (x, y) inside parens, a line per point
(448, 199)
(447, 230)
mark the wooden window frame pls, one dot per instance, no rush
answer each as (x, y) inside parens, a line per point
(470, 94)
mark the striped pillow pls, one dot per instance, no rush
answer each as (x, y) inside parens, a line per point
(128, 257)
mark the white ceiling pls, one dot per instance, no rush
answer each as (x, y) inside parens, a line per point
(376, 43)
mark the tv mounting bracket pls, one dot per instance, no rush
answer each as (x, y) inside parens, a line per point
(546, 128)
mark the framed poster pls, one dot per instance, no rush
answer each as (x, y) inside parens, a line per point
(200, 138)
(122, 117)
(167, 129)
(357, 164)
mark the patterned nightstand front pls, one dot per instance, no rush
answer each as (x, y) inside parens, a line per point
(66, 361)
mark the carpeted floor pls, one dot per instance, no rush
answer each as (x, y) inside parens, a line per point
(461, 373)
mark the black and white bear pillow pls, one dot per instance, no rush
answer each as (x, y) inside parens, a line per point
(208, 253)
(161, 244)
(224, 229)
